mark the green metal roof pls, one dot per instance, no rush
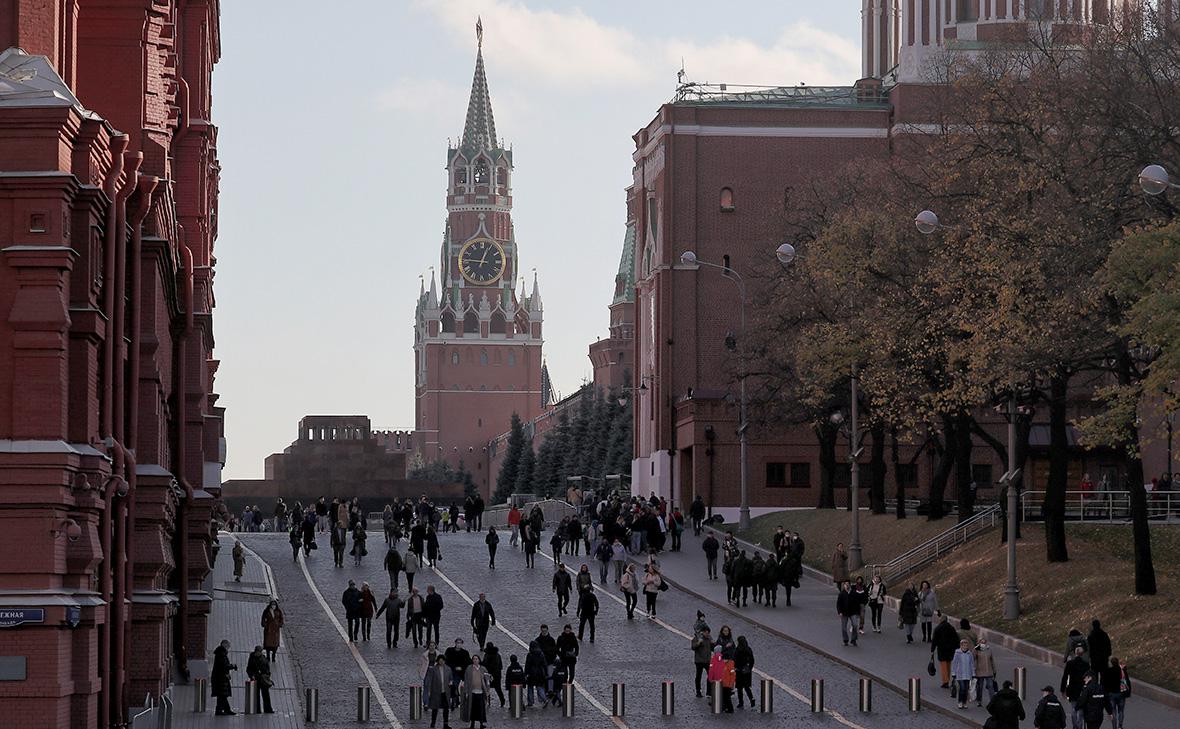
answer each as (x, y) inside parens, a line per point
(625, 278)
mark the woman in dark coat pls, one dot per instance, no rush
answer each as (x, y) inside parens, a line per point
(725, 641)
(258, 670)
(339, 542)
(432, 546)
(296, 540)
(789, 573)
(536, 673)
(743, 664)
(436, 690)
(770, 580)
(309, 524)
(494, 665)
(272, 626)
(907, 612)
(219, 682)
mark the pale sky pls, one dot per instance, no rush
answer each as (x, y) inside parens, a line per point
(334, 120)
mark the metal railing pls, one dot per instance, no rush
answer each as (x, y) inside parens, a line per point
(932, 549)
(1103, 506)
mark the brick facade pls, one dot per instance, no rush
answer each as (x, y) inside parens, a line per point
(111, 439)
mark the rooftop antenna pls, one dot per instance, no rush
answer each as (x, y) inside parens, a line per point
(680, 74)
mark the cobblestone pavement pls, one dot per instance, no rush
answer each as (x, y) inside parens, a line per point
(639, 653)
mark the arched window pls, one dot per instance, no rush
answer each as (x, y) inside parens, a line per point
(498, 325)
(454, 358)
(726, 200)
(471, 323)
(501, 177)
(483, 358)
(461, 176)
(481, 172)
(448, 322)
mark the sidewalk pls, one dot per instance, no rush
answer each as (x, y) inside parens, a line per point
(236, 616)
(884, 657)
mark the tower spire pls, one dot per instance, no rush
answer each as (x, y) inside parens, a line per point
(479, 131)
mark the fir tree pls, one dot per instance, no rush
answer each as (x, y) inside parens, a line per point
(525, 473)
(506, 481)
(463, 476)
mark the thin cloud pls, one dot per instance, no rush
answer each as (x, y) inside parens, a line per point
(801, 53)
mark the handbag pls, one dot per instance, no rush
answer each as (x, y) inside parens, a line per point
(663, 586)
(930, 667)
(991, 723)
(954, 688)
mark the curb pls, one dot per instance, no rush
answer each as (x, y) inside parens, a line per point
(900, 690)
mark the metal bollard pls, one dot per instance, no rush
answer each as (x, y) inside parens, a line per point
(1021, 682)
(618, 699)
(567, 700)
(200, 695)
(817, 695)
(516, 701)
(250, 701)
(311, 704)
(715, 694)
(415, 702)
(915, 694)
(364, 696)
(668, 698)
(766, 696)
(866, 695)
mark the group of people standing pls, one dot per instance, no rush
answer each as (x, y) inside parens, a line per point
(759, 576)
(724, 663)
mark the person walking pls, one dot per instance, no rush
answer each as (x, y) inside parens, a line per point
(790, 569)
(1049, 714)
(351, 599)
(368, 608)
(618, 557)
(876, 599)
(944, 641)
(1092, 700)
(721, 671)
(927, 607)
(474, 690)
(985, 672)
(743, 665)
(848, 608)
(702, 652)
(529, 541)
(1117, 684)
(239, 560)
(272, 628)
(482, 617)
(562, 586)
(653, 585)
(1006, 708)
(432, 608)
(962, 671)
(415, 605)
(393, 564)
(432, 551)
(494, 665)
(435, 686)
(309, 542)
(513, 526)
(711, 547)
(630, 588)
(295, 537)
(1100, 648)
(219, 680)
(568, 648)
(410, 566)
(696, 513)
(907, 612)
(584, 581)
(339, 542)
(359, 537)
(258, 670)
(603, 553)
(458, 659)
(493, 541)
(391, 606)
(555, 544)
(839, 565)
(861, 591)
(536, 672)
(1072, 683)
(587, 611)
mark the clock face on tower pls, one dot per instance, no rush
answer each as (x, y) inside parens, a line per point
(481, 261)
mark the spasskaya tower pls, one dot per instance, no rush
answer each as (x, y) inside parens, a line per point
(477, 342)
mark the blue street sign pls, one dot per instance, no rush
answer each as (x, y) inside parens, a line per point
(12, 617)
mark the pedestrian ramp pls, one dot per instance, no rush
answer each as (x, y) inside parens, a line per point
(923, 554)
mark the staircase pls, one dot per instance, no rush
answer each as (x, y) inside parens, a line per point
(927, 552)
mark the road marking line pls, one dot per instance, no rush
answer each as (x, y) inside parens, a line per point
(790, 691)
(585, 694)
(356, 654)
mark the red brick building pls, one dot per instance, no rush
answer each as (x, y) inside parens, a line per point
(711, 174)
(111, 439)
(477, 342)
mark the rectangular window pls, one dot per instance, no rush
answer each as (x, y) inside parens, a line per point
(907, 475)
(776, 475)
(981, 474)
(801, 475)
(788, 475)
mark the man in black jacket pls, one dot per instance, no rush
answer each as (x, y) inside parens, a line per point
(1092, 701)
(1100, 648)
(696, 513)
(352, 609)
(458, 659)
(432, 608)
(848, 608)
(547, 644)
(711, 547)
(1005, 707)
(568, 650)
(1050, 714)
(392, 607)
(482, 616)
(562, 585)
(587, 610)
(1072, 681)
(943, 643)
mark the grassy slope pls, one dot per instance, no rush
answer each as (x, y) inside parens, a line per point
(1098, 581)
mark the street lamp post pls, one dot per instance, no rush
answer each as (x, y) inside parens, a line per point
(1169, 420)
(855, 560)
(689, 258)
(927, 223)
